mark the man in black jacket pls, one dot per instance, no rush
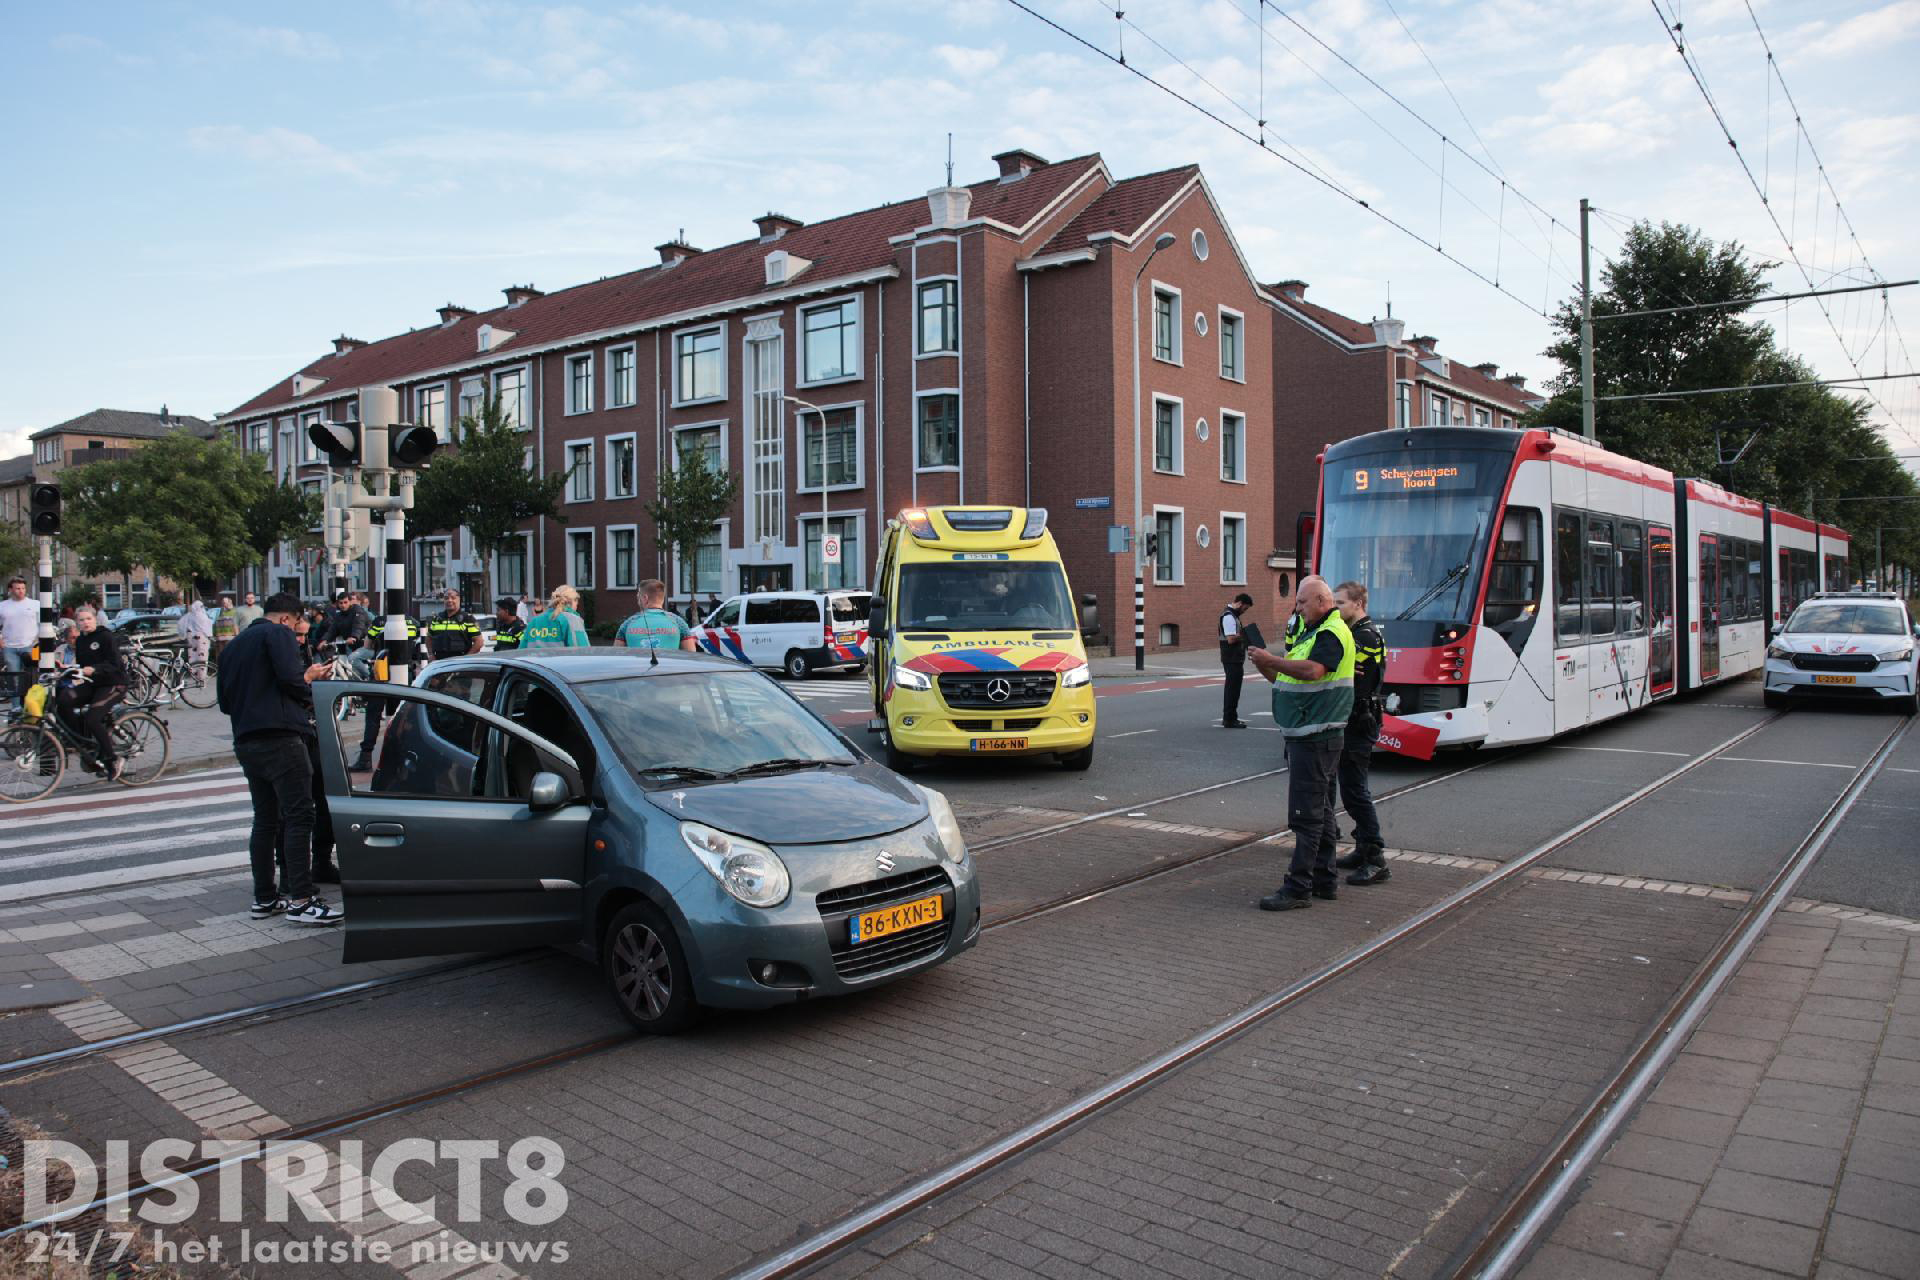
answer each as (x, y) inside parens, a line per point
(1368, 861)
(96, 651)
(265, 691)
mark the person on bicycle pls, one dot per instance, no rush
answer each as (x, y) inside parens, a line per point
(88, 706)
(346, 628)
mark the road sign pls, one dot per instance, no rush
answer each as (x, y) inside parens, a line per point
(1093, 504)
(830, 549)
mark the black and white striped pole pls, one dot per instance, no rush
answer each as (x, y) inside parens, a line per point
(45, 548)
(43, 520)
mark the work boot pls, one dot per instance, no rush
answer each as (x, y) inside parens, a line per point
(1284, 900)
(1351, 861)
(1370, 866)
(1326, 892)
(362, 763)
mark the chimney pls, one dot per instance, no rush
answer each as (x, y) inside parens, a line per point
(344, 344)
(1518, 381)
(519, 293)
(450, 314)
(675, 251)
(1017, 164)
(1294, 289)
(1388, 332)
(783, 267)
(948, 205)
(165, 417)
(1426, 342)
(1490, 369)
(774, 225)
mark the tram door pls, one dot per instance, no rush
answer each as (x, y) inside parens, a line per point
(1571, 698)
(1660, 612)
(1709, 611)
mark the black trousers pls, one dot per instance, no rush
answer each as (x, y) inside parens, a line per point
(1236, 669)
(89, 708)
(279, 773)
(1356, 793)
(1311, 770)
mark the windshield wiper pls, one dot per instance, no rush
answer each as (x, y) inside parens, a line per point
(781, 764)
(1433, 591)
(681, 771)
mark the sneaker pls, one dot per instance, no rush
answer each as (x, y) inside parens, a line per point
(314, 911)
(261, 910)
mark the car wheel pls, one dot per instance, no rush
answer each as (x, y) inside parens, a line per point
(647, 971)
(1908, 705)
(1077, 761)
(798, 668)
(1773, 701)
(898, 760)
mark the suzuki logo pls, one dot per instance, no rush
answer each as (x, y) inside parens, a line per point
(884, 861)
(999, 689)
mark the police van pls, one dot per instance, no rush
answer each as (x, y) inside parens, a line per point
(975, 645)
(799, 632)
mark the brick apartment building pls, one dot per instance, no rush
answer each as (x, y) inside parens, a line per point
(971, 346)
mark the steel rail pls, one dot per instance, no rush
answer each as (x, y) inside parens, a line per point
(1535, 1203)
(837, 1236)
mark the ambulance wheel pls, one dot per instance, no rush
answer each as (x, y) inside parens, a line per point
(798, 668)
(1077, 761)
(896, 759)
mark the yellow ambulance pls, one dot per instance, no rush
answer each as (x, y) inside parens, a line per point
(974, 639)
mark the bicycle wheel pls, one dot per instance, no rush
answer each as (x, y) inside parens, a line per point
(198, 689)
(143, 746)
(139, 684)
(31, 762)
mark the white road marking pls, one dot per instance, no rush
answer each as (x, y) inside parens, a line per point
(1132, 733)
(60, 885)
(123, 811)
(122, 795)
(227, 816)
(1625, 751)
(102, 853)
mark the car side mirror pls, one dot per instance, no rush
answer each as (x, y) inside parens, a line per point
(1773, 630)
(548, 791)
(877, 617)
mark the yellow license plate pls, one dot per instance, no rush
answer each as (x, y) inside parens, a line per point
(869, 926)
(999, 744)
(1833, 679)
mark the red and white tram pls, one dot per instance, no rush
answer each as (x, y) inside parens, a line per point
(1529, 583)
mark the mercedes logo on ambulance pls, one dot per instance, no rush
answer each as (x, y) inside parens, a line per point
(999, 689)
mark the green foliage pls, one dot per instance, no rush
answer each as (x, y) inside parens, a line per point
(16, 555)
(603, 632)
(282, 512)
(77, 594)
(1815, 452)
(178, 506)
(690, 500)
(485, 486)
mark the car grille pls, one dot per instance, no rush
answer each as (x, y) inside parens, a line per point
(1835, 661)
(971, 690)
(838, 905)
(986, 726)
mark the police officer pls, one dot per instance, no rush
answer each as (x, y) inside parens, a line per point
(507, 624)
(454, 633)
(654, 627)
(1368, 861)
(1312, 702)
(1233, 657)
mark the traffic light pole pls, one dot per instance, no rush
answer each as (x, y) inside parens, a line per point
(45, 548)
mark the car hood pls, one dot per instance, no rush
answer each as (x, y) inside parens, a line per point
(808, 806)
(1848, 643)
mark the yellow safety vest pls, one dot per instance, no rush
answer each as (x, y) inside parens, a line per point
(1316, 708)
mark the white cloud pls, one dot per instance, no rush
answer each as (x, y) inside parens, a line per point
(963, 61)
(1874, 30)
(284, 148)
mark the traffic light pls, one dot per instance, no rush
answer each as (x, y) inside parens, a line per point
(338, 442)
(1153, 546)
(44, 510)
(411, 447)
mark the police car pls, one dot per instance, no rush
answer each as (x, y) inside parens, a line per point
(799, 632)
(1855, 644)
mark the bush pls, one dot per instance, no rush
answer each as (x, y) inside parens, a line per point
(77, 594)
(603, 632)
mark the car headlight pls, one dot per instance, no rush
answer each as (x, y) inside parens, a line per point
(1778, 651)
(947, 825)
(1074, 677)
(1898, 655)
(745, 868)
(907, 678)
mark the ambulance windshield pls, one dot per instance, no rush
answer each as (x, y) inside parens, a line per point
(993, 595)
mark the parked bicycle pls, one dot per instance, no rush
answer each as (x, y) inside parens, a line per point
(34, 747)
(157, 678)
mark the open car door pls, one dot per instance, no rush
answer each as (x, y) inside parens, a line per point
(470, 834)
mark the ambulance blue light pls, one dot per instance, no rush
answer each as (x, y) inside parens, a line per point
(1036, 522)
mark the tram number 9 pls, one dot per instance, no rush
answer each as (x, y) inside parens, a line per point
(1360, 480)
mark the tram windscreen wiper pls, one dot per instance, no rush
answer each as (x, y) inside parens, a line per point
(1432, 592)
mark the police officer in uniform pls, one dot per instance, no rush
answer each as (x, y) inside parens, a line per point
(454, 633)
(1368, 861)
(507, 624)
(1312, 703)
(1233, 657)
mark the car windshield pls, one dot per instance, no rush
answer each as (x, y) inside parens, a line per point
(992, 595)
(850, 608)
(1833, 617)
(671, 729)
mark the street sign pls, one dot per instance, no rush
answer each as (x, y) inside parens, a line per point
(830, 549)
(1093, 504)
(1119, 539)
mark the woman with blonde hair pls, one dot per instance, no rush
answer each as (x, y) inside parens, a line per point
(559, 625)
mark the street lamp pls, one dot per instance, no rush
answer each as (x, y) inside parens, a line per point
(822, 414)
(1163, 241)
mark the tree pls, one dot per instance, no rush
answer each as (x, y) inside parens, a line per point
(178, 506)
(282, 512)
(691, 499)
(486, 486)
(16, 554)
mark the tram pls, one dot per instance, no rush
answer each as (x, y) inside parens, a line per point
(1529, 583)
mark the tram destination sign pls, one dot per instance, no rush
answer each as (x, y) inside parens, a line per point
(1409, 477)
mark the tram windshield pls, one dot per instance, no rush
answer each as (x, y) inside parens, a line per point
(1413, 526)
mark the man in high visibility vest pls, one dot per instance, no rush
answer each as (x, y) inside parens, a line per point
(1312, 702)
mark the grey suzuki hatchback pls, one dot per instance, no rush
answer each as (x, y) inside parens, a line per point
(683, 822)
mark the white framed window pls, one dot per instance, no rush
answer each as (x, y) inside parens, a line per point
(830, 452)
(433, 556)
(1233, 549)
(622, 465)
(622, 386)
(936, 431)
(470, 399)
(309, 451)
(1403, 403)
(260, 440)
(110, 595)
(47, 450)
(1438, 410)
(830, 341)
(430, 410)
(580, 558)
(1233, 446)
(700, 364)
(510, 567)
(700, 573)
(938, 317)
(1506, 422)
(846, 526)
(1170, 530)
(288, 457)
(1168, 446)
(1482, 417)
(623, 556)
(580, 383)
(708, 439)
(1233, 345)
(1166, 323)
(510, 389)
(579, 461)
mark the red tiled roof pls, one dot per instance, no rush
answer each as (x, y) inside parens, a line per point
(1122, 207)
(836, 247)
(1476, 383)
(1463, 376)
(1346, 327)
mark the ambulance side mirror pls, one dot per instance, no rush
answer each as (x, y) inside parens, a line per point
(877, 617)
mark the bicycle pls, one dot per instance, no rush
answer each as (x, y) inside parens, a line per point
(153, 680)
(33, 753)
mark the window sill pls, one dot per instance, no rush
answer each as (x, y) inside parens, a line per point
(1233, 582)
(626, 404)
(937, 355)
(619, 497)
(1230, 480)
(576, 413)
(1163, 471)
(834, 381)
(924, 471)
(685, 404)
(1230, 377)
(832, 488)
(1173, 363)
(1167, 582)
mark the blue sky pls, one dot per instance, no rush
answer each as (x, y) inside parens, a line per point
(203, 195)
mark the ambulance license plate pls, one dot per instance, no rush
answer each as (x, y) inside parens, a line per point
(870, 926)
(999, 744)
(1833, 679)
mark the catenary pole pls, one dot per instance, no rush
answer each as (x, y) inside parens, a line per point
(1586, 322)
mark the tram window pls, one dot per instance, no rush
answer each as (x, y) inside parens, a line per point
(1710, 605)
(1569, 561)
(1660, 581)
(1633, 579)
(1513, 589)
(1600, 576)
(1756, 583)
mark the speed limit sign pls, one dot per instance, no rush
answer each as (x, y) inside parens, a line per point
(831, 549)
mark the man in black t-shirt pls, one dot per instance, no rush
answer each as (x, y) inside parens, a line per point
(1233, 658)
(89, 704)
